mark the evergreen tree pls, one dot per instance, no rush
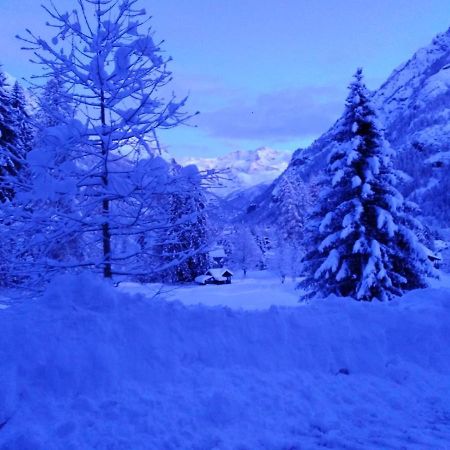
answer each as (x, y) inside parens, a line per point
(294, 206)
(22, 122)
(186, 244)
(10, 156)
(364, 242)
(295, 199)
(55, 104)
(16, 139)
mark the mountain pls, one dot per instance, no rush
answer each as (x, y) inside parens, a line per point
(244, 170)
(414, 106)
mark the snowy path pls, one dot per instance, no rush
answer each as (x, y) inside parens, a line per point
(89, 367)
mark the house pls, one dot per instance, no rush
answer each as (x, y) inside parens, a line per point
(215, 276)
(443, 251)
(434, 257)
(436, 260)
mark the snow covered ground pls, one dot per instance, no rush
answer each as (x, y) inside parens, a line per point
(258, 290)
(89, 366)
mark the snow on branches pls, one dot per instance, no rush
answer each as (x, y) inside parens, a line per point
(364, 240)
(97, 182)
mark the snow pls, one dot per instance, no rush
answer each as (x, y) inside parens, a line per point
(220, 274)
(436, 85)
(201, 279)
(396, 93)
(256, 291)
(244, 169)
(440, 157)
(356, 181)
(331, 263)
(90, 366)
(339, 174)
(217, 252)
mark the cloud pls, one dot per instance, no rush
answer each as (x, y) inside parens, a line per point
(281, 115)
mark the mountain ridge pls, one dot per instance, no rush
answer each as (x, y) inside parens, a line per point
(414, 107)
(244, 169)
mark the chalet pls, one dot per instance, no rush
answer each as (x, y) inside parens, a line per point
(215, 276)
(434, 257)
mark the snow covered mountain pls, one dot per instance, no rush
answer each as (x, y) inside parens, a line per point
(244, 169)
(414, 105)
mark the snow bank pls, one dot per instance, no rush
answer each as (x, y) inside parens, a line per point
(88, 366)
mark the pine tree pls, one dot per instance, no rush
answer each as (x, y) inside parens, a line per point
(187, 239)
(295, 199)
(364, 242)
(16, 139)
(11, 158)
(294, 206)
(22, 121)
(55, 104)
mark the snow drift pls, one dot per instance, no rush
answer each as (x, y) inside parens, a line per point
(88, 366)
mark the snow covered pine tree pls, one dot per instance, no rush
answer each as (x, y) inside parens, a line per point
(55, 105)
(363, 241)
(24, 129)
(295, 199)
(15, 141)
(185, 250)
(15, 136)
(104, 56)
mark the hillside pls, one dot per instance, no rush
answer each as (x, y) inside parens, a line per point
(414, 105)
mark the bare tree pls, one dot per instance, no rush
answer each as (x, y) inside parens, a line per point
(103, 160)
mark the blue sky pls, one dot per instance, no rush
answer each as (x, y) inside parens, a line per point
(262, 72)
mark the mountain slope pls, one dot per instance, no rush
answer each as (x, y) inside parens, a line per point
(414, 105)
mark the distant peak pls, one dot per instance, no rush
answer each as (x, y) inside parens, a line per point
(245, 168)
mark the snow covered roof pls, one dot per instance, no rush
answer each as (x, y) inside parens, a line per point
(432, 255)
(202, 278)
(220, 274)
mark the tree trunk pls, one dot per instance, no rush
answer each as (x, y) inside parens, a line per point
(107, 268)
(106, 230)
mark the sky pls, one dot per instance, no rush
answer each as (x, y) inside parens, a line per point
(261, 72)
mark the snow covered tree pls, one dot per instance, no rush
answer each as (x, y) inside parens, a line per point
(245, 254)
(16, 138)
(363, 240)
(55, 104)
(280, 259)
(22, 121)
(11, 156)
(103, 56)
(294, 205)
(186, 244)
(295, 199)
